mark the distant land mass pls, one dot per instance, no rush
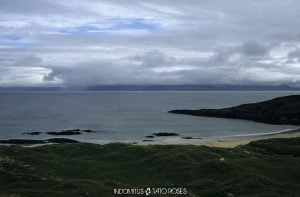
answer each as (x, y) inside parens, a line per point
(281, 110)
(158, 88)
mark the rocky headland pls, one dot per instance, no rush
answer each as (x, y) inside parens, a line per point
(281, 110)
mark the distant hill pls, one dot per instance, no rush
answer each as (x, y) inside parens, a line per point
(13, 89)
(158, 88)
(190, 88)
(282, 110)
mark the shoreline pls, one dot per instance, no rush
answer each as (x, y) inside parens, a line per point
(233, 141)
(222, 141)
(216, 141)
(84, 169)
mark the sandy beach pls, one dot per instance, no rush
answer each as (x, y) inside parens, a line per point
(230, 142)
(226, 142)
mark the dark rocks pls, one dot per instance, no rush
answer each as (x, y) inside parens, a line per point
(160, 134)
(189, 138)
(282, 110)
(61, 140)
(148, 140)
(149, 136)
(63, 132)
(88, 131)
(66, 132)
(32, 133)
(72, 130)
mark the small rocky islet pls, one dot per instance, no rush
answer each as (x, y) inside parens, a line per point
(167, 134)
(63, 132)
(51, 140)
(162, 134)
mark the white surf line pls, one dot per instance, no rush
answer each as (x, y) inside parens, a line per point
(259, 134)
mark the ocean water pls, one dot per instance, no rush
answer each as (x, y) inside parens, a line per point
(126, 115)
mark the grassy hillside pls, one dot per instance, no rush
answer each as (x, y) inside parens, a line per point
(261, 168)
(282, 110)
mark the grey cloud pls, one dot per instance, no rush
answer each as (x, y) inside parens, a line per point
(243, 36)
(90, 73)
(29, 61)
(23, 61)
(251, 48)
(101, 73)
(142, 69)
(154, 58)
(295, 54)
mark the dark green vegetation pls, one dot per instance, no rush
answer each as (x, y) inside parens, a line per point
(282, 110)
(261, 168)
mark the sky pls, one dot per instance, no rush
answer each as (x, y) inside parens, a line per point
(149, 42)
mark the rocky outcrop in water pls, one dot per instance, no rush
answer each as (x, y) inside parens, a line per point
(161, 134)
(63, 132)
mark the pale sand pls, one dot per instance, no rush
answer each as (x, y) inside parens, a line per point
(37, 145)
(230, 142)
(226, 142)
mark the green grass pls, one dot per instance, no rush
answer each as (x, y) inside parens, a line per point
(261, 168)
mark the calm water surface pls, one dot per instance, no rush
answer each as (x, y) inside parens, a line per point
(126, 115)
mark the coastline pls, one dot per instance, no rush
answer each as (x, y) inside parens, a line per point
(86, 169)
(216, 141)
(233, 141)
(222, 141)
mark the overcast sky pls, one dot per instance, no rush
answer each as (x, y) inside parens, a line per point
(98, 42)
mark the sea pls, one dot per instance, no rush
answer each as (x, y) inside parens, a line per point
(127, 115)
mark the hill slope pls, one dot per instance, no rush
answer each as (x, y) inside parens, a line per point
(282, 110)
(261, 168)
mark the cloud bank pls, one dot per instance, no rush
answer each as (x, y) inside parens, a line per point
(81, 43)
